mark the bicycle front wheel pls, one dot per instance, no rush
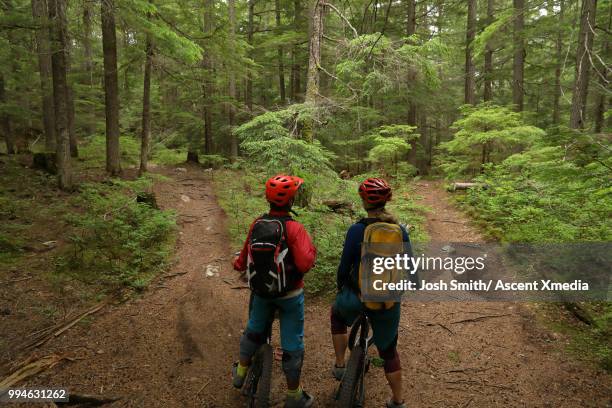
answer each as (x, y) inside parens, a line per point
(349, 387)
(262, 394)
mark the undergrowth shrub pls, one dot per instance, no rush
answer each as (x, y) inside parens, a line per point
(117, 241)
(92, 153)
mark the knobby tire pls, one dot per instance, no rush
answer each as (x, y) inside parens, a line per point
(264, 383)
(347, 396)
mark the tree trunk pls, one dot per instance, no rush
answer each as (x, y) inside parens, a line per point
(602, 98)
(57, 31)
(412, 106)
(583, 65)
(88, 60)
(207, 86)
(295, 66)
(248, 96)
(488, 58)
(556, 115)
(127, 94)
(470, 68)
(232, 84)
(314, 53)
(111, 87)
(425, 136)
(41, 15)
(74, 149)
(5, 121)
(281, 65)
(519, 55)
(410, 17)
(146, 108)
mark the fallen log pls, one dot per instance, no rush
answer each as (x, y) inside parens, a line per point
(465, 186)
(338, 205)
(579, 312)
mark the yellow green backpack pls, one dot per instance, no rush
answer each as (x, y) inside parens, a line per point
(382, 233)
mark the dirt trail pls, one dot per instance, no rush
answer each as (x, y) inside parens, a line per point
(173, 346)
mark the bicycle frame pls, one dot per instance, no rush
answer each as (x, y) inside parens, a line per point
(361, 326)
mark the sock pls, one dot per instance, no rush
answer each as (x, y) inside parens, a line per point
(241, 370)
(295, 394)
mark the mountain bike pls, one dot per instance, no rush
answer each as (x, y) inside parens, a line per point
(259, 377)
(351, 392)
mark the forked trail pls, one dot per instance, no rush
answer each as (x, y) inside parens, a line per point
(173, 346)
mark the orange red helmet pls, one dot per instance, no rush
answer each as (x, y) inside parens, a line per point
(281, 189)
(375, 191)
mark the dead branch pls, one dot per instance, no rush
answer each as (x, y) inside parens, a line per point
(15, 280)
(468, 402)
(449, 221)
(203, 386)
(63, 326)
(172, 275)
(466, 369)
(346, 21)
(479, 318)
(441, 325)
(29, 369)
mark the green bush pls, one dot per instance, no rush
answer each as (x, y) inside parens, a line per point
(117, 241)
(168, 157)
(544, 194)
(92, 152)
(486, 134)
(273, 138)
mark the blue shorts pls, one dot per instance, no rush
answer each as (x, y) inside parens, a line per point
(385, 323)
(291, 316)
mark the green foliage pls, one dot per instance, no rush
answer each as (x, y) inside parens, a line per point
(391, 143)
(375, 66)
(164, 37)
(92, 153)
(549, 193)
(212, 160)
(168, 157)
(590, 343)
(387, 149)
(117, 241)
(23, 207)
(272, 139)
(486, 134)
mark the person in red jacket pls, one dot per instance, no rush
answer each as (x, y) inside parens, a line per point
(300, 258)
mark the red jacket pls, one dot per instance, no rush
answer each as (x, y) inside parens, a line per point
(299, 243)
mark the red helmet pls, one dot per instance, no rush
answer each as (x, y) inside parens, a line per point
(281, 189)
(375, 191)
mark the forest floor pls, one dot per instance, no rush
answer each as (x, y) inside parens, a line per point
(173, 345)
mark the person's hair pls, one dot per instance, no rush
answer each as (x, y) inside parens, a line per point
(381, 213)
